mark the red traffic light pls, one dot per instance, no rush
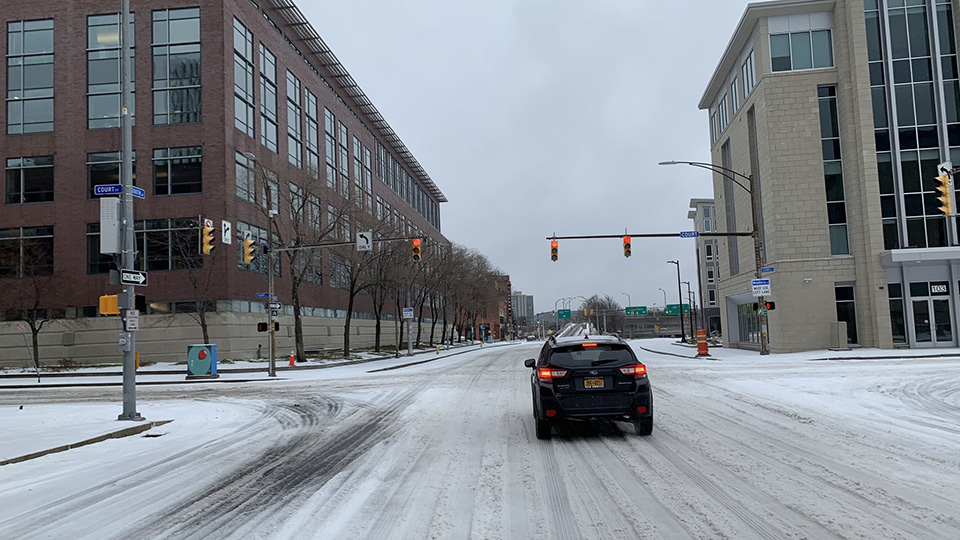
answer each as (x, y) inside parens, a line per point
(626, 239)
(554, 244)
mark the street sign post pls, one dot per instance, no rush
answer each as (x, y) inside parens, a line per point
(133, 277)
(635, 310)
(563, 313)
(408, 313)
(761, 287)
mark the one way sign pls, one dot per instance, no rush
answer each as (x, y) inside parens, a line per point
(133, 277)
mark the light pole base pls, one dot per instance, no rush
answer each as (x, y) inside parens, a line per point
(135, 417)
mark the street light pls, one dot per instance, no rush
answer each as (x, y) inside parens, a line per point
(629, 303)
(664, 297)
(755, 214)
(689, 299)
(683, 335)
(271, 213)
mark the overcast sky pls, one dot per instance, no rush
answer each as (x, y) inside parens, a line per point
(537, 117)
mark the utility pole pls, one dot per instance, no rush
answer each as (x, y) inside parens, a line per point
(272, 329)
(128, 240)
(683, 336)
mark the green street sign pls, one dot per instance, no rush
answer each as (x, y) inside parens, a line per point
(635, 310)
(563, 313)
(674, 309)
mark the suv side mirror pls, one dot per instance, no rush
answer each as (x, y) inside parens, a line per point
(529, 362)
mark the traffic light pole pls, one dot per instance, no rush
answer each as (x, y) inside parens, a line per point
(129, 244)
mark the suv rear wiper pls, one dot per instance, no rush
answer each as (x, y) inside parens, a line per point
(607, 361)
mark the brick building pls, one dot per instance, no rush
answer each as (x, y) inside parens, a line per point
(841, 110)
(216, 83)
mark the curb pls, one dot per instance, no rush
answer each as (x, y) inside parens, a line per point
(114, 435)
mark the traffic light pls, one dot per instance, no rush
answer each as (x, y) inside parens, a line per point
(626, 246)
(261, 327)
(207, 244)
(768, 305)
(554, 249)
(945, 198)
(416, 250)
(249, 251)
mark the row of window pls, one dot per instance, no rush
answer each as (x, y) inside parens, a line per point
(720, 118)
(175, 52)
(303, 136)
(175, 171)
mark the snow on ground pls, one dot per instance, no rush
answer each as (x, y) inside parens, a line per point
(744, 446)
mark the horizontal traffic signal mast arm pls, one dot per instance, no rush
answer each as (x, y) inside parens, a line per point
(646, 235)
(336, 244)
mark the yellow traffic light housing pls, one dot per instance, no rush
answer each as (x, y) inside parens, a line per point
(109, 305)
(946, 197)
(416, 250)
(626, 246)
(207, 244)
(554, 250)
(249, 251)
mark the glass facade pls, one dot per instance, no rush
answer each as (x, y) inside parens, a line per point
(29, 76)
(243, 106)
(103, 71)
(833, 171)
(176, 66)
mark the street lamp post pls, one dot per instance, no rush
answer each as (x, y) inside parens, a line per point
(690, 299)
(629, 303)
(683, 335)
(664, 298)
(755, 214)
(271, 212)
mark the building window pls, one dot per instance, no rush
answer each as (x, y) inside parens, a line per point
(330, 144)
(748, 75)
(801, 50)
(358, 172)
(723, 114)
(712, 297)
(343, 159)
(26, 252)
(708, 249)
(833, 171)
(104, 168)
(297, 202)
(294, 120)
(167, 244)
(749, 323)
(367, 179)
(846, 310)
(98, 263)
(268, 99)
(176, 66)
(710, 277)
(271, 189)
(103, 71)
(29, 180)
(313, 212)
(177, 171)
(246, 178)
(898, 321)
(259, 237)
(313, 136)
(707, 225)
(29, 76)
(339, 272)
(735, 96)
(243, 107)
(714, 128)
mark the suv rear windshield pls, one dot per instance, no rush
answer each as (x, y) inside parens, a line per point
(577, 356)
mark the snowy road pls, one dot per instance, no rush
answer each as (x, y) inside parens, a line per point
(743, 448)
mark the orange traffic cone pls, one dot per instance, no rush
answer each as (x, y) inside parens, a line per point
(292, 357)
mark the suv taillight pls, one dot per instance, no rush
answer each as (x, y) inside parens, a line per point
(549, 373)
(639, 371)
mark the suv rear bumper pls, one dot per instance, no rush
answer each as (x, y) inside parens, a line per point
(586, 405)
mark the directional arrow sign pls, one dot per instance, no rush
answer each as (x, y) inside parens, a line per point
(365, 241)
(133, 277)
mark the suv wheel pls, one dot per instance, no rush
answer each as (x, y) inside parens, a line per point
(543, 428)
(643, 426)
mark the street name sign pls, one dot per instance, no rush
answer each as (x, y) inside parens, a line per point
(635, 310)
(408, 313)
(108, 189)
(563, 313)
(263, 295)
(761, 287)
(138, 192)
(133, 277)
(767, 269)
(689, 234)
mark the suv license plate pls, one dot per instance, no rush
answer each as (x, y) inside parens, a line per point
(593, 383)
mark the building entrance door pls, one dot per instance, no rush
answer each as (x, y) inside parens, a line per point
(932, 322)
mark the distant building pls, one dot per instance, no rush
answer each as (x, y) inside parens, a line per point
(708, 265)
(523, 309)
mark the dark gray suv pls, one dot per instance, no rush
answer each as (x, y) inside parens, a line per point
(589, 377)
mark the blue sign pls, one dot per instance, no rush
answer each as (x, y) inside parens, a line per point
(689, 234)
(263, 295)
(761, 282)
(138, 192)
(108, 189)
(767, 269)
